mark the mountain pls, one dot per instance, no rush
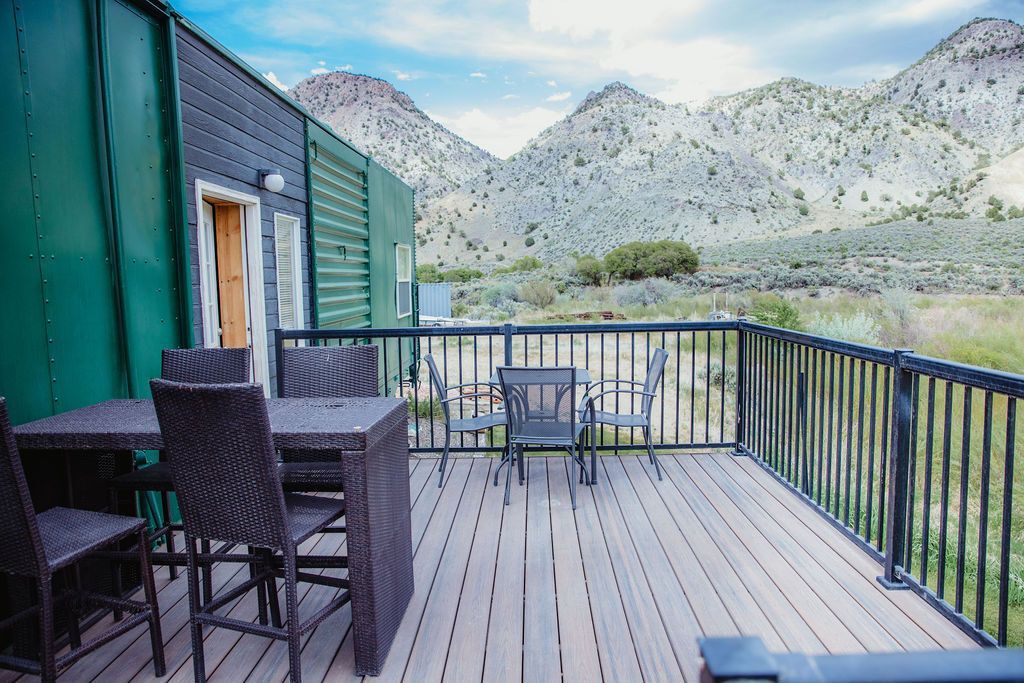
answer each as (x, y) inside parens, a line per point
(974, 80)
(622, 166)
(386, 124)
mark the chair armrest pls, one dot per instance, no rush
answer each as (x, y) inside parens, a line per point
(479, 394)
(634, 392)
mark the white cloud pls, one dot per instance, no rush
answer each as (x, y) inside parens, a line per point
(510, 96)
(322, 63)
(501, 134)
(402, 75)
(553, 84)
(918, 11)
(343, 67)
(318, 70)
(585, 18)
(559, 96)
(272, 77)
(478, 74)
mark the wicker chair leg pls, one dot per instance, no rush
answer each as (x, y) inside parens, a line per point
(156, 639)
(275, 604)
(165, 508)
(650, 451)
(256, 567)
(207, 573)
(444, 455)
(47, 646)
(292, 605)
(74, 628)
(115, 566)
(194, 605)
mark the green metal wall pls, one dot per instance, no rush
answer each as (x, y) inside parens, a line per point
(88, 264)
(391, 216)
(339, 219)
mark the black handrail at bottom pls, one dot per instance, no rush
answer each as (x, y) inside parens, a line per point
(747, 659)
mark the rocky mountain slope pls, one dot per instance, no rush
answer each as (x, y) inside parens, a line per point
(974, 80)
(386, 124)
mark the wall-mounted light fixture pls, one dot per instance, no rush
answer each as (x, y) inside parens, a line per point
(271, 179)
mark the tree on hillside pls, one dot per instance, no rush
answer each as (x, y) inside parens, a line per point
(590, 269)
(637, 260)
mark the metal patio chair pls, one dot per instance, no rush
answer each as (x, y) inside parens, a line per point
(477, 423)
(323, 372)
(225, 472)
(647, 391)
(37, 546)
(541, 408)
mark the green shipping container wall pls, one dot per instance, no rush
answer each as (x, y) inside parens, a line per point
(339, 220)
(391, 225)
(89, 252)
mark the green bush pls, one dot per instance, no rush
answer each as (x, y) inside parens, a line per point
(539, 293)
(637, 260)
(590, 269)
(524, 264)
(798, 193)
(428, 272)
(462, 274)
(530, 241)
(864, 195)
(777, 312)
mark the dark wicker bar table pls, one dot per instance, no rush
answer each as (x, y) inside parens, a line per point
(372, 433)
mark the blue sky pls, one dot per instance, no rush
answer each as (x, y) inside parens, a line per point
(500, 71)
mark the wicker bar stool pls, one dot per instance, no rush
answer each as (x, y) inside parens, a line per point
(225, 473)
(195, 366)
(37, 546)
(323, 372)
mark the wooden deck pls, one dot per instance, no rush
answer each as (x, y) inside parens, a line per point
(619, 591)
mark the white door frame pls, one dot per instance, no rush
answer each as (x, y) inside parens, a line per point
(252, 237)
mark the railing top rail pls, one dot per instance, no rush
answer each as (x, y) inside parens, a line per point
(485, 330)
(874, 354)
(971, 375)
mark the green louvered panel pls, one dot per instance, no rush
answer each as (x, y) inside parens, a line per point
(341, 238)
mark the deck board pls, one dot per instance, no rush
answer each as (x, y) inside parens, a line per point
(618, 590)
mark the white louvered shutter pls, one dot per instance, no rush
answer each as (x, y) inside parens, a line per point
(288, 272)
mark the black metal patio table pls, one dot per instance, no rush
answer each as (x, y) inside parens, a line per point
(582, 377)
(372, 433)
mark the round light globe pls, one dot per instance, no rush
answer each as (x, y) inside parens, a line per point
(273, 182)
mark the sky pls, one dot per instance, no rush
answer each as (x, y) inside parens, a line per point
(500, 71)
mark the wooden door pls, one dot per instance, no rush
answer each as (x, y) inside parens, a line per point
(230, 275)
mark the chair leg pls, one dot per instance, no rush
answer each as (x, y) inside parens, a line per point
(74, 629)
(115, 566)
(522, 465)
(506, 457)
(149, 587)
(272, 599)
(207, 573)
(165, 508)
(572, 476)
(194, 606)
(47, 647)
(650, 451)
(293, 625)
(255, 568)
(444, 456)
(508, 478)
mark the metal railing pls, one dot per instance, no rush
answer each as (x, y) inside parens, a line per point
(895, 449)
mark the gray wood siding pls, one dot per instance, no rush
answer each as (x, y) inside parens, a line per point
(232, 127)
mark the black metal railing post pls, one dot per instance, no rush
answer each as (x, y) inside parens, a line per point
(741, 388)
(899, 470)
(279, 359)
(507, 330)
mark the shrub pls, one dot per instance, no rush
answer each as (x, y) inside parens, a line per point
(636, 260)
(712, 170)
(428, 272)
(859, 327)
(500, 295)
(717, 377)
(539, 293)
(777, 312)
(798, 193)
(804, 210)
(462, 274)
(530, 241)
(590, 270)
(650, 292)
(523, 264)
(864, 195)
